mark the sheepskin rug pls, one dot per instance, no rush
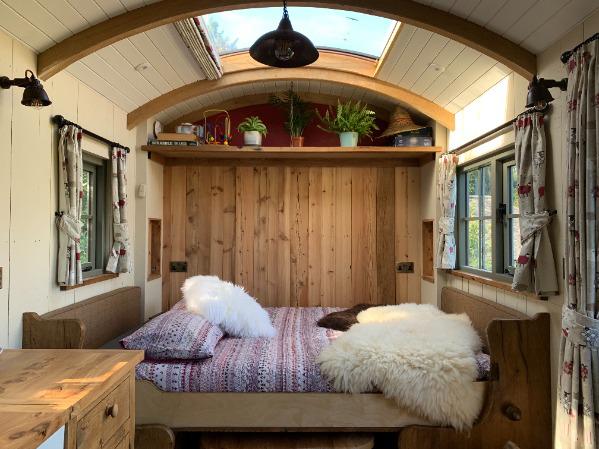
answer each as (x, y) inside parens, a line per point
(226, 305)
(417, 355)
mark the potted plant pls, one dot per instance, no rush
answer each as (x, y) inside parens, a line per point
(350, 121)
(299, 115)
(253, 129)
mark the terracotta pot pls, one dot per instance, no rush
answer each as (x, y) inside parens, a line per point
(297, 141)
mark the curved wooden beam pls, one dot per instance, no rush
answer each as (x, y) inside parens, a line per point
(391, 91)
(252, 100)
(70, 50)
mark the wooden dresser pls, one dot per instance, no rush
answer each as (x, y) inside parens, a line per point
(89, 392)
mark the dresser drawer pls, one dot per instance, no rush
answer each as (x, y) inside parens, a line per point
(101, 423)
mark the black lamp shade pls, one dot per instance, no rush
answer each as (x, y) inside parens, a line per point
(35, 95)
(538, 94)
(284, 47)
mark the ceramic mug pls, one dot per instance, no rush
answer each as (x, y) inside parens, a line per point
(186, 128)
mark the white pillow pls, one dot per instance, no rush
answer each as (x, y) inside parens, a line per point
(226, 305)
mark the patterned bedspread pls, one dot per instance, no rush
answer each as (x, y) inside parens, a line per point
(286, 363)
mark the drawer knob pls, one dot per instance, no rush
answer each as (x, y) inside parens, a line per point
(512, 412)
(112, 410)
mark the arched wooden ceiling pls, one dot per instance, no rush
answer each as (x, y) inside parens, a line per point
(249, 76)
(96, 37)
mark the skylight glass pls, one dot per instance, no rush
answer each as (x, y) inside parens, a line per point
(347, 31)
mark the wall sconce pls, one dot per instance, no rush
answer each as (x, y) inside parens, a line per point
(34, 94)
(538, 92)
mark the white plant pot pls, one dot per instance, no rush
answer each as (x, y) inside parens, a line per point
(252, 138)
(348, 139)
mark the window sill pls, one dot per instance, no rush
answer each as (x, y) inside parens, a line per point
(506, 286)
(91, 280)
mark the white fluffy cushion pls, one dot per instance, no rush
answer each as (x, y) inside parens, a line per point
(226, 305)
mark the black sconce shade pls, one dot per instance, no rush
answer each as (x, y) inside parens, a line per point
(284, 47)
(538, 92)
(34, 94)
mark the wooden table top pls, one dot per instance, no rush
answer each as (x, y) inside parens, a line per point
(41, 388)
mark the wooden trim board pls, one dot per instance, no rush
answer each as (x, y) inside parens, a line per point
(61, 55)
(202, 87)
(269, 411)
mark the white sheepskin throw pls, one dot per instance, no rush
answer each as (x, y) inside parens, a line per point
(415, 354)
(226, 305)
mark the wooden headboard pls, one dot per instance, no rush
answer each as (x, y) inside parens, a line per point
(86, 324)
(481, 311)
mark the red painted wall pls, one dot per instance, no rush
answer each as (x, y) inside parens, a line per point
(274, 118)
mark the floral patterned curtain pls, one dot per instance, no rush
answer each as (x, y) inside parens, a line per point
(535, 265)
(447, 191)
(578, 390)
(119, 260)
(68, 219)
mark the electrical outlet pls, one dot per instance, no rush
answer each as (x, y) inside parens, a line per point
(404, 267)
(179, 267)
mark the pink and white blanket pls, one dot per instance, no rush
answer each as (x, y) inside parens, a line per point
(285, 363)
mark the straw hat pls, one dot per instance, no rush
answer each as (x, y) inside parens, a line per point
(400, 122)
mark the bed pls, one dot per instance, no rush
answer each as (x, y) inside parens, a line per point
(517, 405)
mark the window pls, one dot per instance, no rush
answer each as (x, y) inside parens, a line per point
(93, 217)
(488, 228)
(347, 31)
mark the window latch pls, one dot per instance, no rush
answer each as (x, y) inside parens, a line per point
(501, 213)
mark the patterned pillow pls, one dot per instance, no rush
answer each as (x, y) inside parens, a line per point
(176, 334)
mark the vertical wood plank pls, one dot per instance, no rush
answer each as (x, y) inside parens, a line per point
(178, 223)
(414, 233)
(407, 232)
(327, 290)
(229, 213)
(385, 232)
(315, 236)
(193, 223)
(343, 237)
(401, 232)
(244, 228)
(167, 235)
(260, 233)
(299, 231)
(202, 218)
(216, 243)
(271, 204)
(283, 238)
(363, 235)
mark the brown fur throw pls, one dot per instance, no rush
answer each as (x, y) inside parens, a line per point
(344, 319)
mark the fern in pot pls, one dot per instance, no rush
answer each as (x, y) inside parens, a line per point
(299, 115)
(253, 130)
(350, 121)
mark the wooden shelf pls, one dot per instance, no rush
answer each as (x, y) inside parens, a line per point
(232, 155)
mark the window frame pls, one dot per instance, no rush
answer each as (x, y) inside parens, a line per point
(99, 248)
(507, 200)
(499, 231)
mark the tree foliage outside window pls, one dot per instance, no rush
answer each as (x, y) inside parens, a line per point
(488, 234)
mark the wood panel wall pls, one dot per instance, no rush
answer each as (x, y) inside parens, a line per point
(296, 236)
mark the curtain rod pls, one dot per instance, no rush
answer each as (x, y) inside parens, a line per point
(486, 136)
(566, 55)
(60, 121)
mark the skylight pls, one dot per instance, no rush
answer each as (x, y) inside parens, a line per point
(346, 31)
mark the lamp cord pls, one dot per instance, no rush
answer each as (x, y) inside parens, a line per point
(285, 13)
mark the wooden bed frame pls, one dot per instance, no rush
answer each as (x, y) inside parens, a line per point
(517, 400)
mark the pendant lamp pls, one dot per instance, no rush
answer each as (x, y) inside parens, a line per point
(284, 47)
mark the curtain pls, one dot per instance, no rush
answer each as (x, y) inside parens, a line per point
(119, 260)
(578, 389)
(447, 191)
(535, 265)
(68, 219)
